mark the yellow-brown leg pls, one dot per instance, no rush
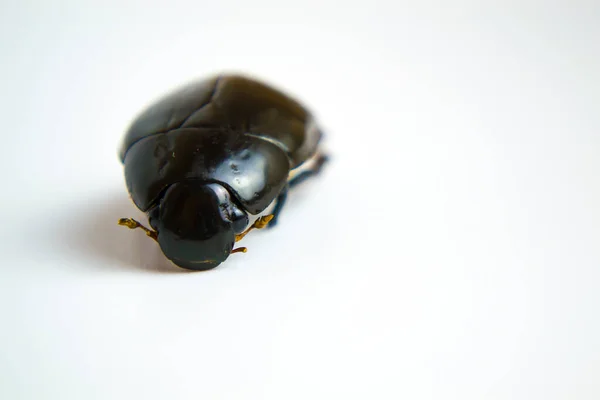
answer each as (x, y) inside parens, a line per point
(133, 224)
(258, 224)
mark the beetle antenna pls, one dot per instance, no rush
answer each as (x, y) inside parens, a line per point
(258, 224)
(133, 224)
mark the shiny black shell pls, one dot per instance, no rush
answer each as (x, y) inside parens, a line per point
(229, 129)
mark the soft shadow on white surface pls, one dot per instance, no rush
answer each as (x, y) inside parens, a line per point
(87, 235)
(92, 236)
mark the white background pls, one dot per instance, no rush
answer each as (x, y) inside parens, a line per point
(449, 251)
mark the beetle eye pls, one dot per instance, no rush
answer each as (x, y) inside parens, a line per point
(239, 219)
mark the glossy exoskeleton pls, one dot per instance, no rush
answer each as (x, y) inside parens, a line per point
(203, 158)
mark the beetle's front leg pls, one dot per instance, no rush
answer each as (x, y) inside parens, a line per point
(258, 224)
(133, 224)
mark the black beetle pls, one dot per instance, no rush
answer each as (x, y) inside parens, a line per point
(199, 160)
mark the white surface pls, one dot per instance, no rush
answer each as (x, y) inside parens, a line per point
(450, 251)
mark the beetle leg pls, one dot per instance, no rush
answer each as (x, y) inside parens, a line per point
(258, 224)
(133, 224)
(239, 250)
(279, 203)
(300, 177)
(294, 179)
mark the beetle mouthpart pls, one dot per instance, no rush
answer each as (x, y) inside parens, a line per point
(133, 224)
(258, 224)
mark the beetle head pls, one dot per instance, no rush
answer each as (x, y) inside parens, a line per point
(197, 222)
